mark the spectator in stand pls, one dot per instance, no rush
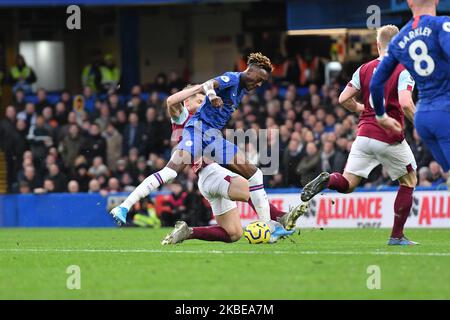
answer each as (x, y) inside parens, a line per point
(121, 169)
(160, 84)
(71, 146)
(91, 76)
(89, 99)
(61, 114)
(63, 131)
(73, 187)
(420, 151)
(155, 102)
(22, 133)
(50, 123)
(177, 204)
(110, 74)
(66, 98)
(133, 133)
(114, 144)
(121, 121)
(39, 138)
(113, 185)
(104, 117)
(137, 105)
(291, 157)
(95, 144)
(141, 170)
(332, 160)
(19, 100)
(48, 187)
(133, 157)
(28, 115)
(94, 186)
(153, 144)
(424, 177)
(175, 82)
(330, 122)
(114, 104)
(31, 178)
(436, 174)
(127, 183)
(59, 178)
(21, 76)
(309, 166)
(82, 177)
(98, 168)
(42, 100)
(24, 188)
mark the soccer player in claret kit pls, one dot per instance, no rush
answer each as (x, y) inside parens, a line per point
(373, 144)
(423, 47)
(202, 131)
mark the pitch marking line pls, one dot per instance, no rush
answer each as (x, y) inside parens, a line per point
(344, 253)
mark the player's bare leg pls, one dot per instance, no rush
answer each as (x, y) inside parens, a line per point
(179, 160)
(402, 207)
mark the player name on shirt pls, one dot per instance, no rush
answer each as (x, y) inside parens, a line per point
(426, 32)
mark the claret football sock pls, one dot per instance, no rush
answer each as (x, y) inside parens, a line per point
(210, 233)
(402, 207)
(338, 182)
(151, 183)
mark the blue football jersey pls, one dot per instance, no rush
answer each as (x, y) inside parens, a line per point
(423, 47)
(231, 93)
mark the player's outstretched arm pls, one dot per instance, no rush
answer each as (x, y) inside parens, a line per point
(174, 102)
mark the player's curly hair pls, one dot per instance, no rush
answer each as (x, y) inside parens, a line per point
(260, 60)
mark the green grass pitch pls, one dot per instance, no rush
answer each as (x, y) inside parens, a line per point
(131, 264)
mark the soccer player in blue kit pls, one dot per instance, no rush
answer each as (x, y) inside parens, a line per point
(202, 139)
(423, 47)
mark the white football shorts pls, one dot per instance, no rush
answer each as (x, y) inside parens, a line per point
(213, 183)
(367, 153)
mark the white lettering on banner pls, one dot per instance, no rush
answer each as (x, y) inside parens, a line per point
(362, 209)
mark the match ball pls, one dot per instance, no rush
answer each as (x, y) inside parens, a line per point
(257, 232)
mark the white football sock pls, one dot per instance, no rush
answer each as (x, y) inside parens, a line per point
(259, 196)
(150, 184)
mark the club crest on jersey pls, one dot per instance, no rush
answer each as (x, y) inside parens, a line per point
(189, 143)
(225, 78)
(446, 26)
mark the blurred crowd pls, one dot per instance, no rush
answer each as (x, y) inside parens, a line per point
(109, 143)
